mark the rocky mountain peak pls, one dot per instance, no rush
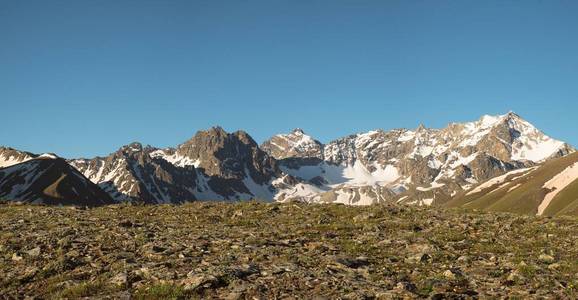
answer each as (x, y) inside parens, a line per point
(228, 155)
(131, 148)
(245, 138)
(297, 131)
(524, 141)
(510, 119)
(294, 144)
(214, 131)
(10, 156)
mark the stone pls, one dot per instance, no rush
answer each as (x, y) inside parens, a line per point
(407, 286)
(16, 257)
(33, 252)
(363, 217)
(449, 275)
(515, 277)
(554, 266)
(545, 258)
(353, 263)
(120, 279)
(464, 259)
(198, 281)
(418, 258)
(245, 270)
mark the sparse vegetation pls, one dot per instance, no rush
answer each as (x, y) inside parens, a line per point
(161, 291)
(245, 250)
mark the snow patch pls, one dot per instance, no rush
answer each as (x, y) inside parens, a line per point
(500, 179)
(175, 159)
(434, 185)
(350, 175)
(557, 184)
(10, 160)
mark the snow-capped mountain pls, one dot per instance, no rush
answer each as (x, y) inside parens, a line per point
(294, 144)
(133, 174)
(422, 166)
(230, 166)
(9, 157)
(212, 165)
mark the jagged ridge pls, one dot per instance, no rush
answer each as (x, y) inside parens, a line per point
(421, 166)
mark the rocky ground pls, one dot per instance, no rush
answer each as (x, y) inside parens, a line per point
(267, 251)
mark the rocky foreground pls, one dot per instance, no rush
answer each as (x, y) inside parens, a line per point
(266, 251)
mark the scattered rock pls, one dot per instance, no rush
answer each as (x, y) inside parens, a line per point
(407, 286)
(418, 258)
(554, 266)
(449, 275)
(245, 270)
(33, 252)
(120, 279)
(463, 259)
(125, 224)
(16, 257)
(514, 277)
(354, 263)
(363, 217)
(199, 281)
(196, 250)
(545, 258)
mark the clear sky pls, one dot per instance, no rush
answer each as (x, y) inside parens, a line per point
(81, 78)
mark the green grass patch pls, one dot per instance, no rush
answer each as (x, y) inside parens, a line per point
(161, 291)
(83, 289)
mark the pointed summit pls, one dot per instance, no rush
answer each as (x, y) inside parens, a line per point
(421, 127)
(132, 147)
(512, 116)
(518, 139)
(294, 144)
(298, 131)
(216, 128)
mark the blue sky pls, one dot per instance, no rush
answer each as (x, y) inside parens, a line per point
(82, 78)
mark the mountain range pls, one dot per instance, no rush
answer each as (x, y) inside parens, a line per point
(481, 164)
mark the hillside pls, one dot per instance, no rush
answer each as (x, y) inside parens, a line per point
(548, 189)
(48, 179)
(266, 251)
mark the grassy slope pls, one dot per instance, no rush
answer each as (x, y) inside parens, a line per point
(566, 202)
(527, 197)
